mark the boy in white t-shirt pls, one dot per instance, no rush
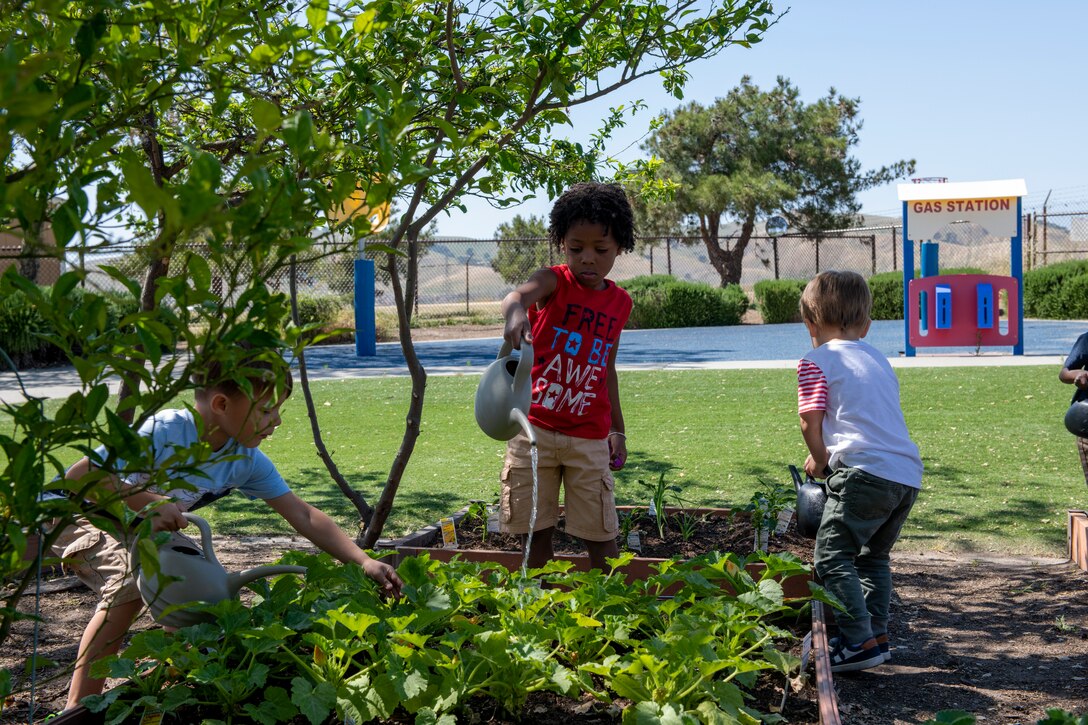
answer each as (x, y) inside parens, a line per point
(232, 423)
(852, 423)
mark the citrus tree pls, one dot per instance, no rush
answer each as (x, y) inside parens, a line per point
(226, 138)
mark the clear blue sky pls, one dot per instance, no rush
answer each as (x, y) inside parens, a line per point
(971, 89)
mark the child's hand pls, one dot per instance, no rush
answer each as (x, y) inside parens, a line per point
(168, 517)
(385, 575)
(517, 327)
(1081, 381)
(617, 450)
(814, 469)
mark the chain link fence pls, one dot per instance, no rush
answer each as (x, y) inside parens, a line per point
(466, 279)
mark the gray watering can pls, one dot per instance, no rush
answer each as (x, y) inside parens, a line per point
(504, 394)
(202, 578)
(811, 497)
(1076, 418)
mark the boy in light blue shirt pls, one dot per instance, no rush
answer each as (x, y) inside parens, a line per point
(214, 450)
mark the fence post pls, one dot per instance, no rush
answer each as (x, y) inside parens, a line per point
(468, 259)
(774, 246)
(872, 249)
(651, 259)
(817, 254)
(895, 254)
(668, 255)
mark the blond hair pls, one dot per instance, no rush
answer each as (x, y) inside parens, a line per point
(837, 299)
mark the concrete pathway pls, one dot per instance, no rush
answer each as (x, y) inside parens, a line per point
(1047, 342)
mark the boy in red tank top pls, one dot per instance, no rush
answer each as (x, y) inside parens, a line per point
(573, 316)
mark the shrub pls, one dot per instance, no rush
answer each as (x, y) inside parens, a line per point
(23, 331)
(778, 300)
(328, 315)
(21, 328)
(887, 289)
(1043, 293)
(646, 281)
(1074, 297)
(673, 303)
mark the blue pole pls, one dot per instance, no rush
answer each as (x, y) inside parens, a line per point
(1016, 269)
(908, 274)
(365, 331)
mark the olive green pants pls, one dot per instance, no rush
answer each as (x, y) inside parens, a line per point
(861, 523)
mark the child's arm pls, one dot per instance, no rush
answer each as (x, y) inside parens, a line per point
(165, 517)
(316, 526)
(515, 305)
(1074, 377)
(812, 431)
(617, 444)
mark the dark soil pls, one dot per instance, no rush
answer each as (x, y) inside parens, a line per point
(686, 536)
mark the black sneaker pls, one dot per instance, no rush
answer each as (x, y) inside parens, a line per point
(849, 658)
(885, 648)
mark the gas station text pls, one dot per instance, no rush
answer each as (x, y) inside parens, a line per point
(960, 205)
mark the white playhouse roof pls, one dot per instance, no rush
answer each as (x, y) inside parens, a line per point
(963, 190)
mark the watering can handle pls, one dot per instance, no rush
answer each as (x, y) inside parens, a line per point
(205, 535)
(525, 362)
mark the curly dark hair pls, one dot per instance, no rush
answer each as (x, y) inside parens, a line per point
(596, 203)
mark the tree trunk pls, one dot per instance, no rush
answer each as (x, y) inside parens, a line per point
(728, 262)
(159, 267)
(415, 407)
(357, 499)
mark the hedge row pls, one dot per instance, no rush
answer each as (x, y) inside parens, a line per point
(663, 301)
(1057, 291)
(24, 332)
(779, 300)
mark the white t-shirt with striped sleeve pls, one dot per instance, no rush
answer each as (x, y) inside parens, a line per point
(863, 424)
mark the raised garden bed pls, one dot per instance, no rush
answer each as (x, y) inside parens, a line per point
(1078, 538)
(722, 530)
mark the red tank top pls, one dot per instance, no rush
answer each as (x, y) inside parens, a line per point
(574, 334)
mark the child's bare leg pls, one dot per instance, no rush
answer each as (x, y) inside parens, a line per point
(541, 550)
(599, 551)
(102, 636)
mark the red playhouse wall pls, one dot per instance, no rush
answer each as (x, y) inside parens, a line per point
(964, 329)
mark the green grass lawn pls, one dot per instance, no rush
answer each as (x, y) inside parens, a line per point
(1001, 470)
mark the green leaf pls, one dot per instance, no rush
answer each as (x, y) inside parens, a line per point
(140, 184)
(315, 703)
(317, 14)
(266, 115)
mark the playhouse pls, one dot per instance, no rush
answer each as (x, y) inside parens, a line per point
(962, 310)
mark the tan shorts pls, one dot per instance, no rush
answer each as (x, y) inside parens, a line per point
(100, 561)
(579, 466)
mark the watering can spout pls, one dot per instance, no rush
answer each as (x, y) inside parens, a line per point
(523, 421)
(236, 581)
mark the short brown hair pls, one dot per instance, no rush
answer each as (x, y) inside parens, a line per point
(837, 299)
(243, 369)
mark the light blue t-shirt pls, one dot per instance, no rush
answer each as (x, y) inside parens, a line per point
(245, 469)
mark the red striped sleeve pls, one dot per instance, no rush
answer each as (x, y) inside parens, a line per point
(811, 387)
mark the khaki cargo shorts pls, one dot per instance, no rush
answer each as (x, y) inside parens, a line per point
(100, 561)
(579, 466)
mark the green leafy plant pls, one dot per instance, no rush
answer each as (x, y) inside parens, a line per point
(629, 522)
(687, 523)
(769, 500)
(330, 644)
(659, 493)
(476, 515)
